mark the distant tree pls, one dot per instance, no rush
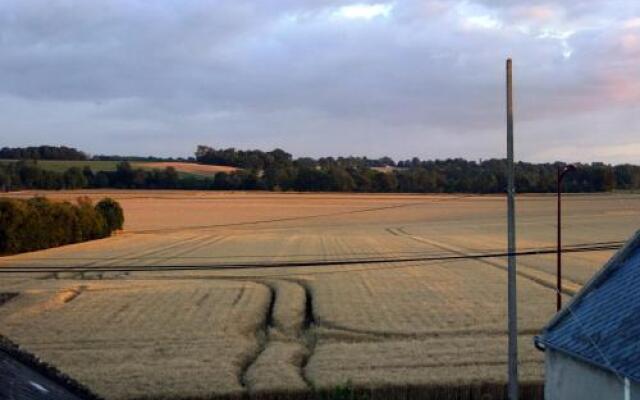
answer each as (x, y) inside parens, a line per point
(340, 180)
(111, 212)
(101, 180)
(221, 181)
(5, 180)
(124, 175)
(362, 178)
(42, 153)
(276, 178)
(92, 223)
(89, 176)
(74, 178)
(627, 176)
(311, 179)
(171, 178)
(305, 162)
(247, 159)
(383, 182)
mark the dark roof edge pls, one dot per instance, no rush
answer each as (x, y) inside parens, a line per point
(45, 369)
(590, 362)
(619, 257)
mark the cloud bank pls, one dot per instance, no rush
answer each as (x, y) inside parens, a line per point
(398, 78)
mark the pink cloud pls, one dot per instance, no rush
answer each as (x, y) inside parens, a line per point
(632, 23)
(630, 43)
(540, 13)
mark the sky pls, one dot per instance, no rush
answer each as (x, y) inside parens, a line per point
(317, 78)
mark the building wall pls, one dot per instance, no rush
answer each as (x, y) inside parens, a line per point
(568, 378)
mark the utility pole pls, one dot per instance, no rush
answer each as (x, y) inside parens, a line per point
(561, 173)
(512, 297)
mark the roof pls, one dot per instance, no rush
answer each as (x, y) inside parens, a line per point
(600, 325)
(23, 376)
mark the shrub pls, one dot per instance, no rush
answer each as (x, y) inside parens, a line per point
(14, 225)
(112, 213)
(91, 222)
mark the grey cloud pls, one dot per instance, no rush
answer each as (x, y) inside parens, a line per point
(426, 81)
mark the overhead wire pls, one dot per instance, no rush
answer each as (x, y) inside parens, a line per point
(603, 246)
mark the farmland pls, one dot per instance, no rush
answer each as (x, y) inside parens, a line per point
(225, 293)
(183, 168)
(63, 165)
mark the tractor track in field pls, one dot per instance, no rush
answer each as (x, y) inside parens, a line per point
(192, 244)
(270, 332)
(261, 335)
(136, 253)
(308, 334)
(539, 277)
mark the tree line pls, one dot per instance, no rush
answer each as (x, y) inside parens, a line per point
(114, 157)
(23, 174)
(69, 153)
(278, 170)
(443, 176)
(39, 223)
(261, 160)
(42, 153)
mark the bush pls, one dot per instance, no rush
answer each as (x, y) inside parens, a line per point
(111, 212)
(38, 223)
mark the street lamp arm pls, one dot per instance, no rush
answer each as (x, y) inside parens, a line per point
(568, 168)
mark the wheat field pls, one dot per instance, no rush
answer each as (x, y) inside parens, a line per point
(210, 294)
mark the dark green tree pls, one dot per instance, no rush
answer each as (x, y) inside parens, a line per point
(111, 212)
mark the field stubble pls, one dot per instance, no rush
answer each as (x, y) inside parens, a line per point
(230, 331)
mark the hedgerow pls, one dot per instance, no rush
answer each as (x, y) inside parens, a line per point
(39, 223)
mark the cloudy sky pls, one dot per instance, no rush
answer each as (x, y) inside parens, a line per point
(397, 78)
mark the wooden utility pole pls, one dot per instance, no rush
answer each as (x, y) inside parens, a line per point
(512, 297)
(559, 244)
(561, 173)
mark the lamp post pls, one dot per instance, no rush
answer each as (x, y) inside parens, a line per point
(561, 173)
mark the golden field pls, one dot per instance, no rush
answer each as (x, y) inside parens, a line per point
(197, 297)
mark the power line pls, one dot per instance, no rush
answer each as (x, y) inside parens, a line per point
(299, 255)
(301, 264)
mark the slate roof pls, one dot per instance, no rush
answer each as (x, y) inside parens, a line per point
(601, 324)
(24, 377)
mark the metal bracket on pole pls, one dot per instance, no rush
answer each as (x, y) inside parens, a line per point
(511, 239)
